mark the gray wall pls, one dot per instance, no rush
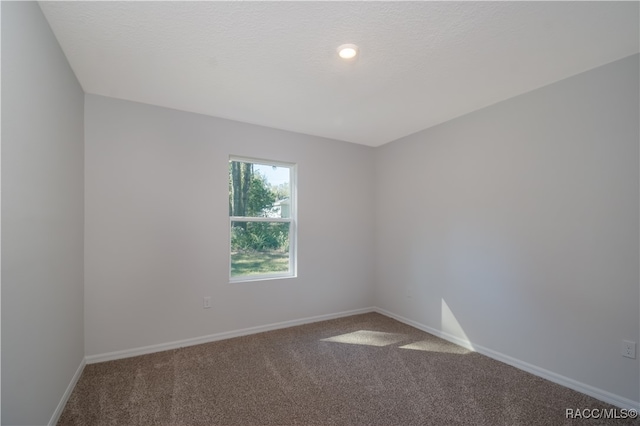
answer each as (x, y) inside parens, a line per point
(516, 227)
(42, 218)
(157, 226)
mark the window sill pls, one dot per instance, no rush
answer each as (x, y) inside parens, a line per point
(252, 278)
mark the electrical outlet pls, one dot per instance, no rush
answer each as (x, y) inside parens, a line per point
(207, 302)
(629, 349)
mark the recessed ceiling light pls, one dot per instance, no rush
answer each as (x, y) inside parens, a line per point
(348, 51)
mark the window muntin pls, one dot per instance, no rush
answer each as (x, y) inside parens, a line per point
(262, 219)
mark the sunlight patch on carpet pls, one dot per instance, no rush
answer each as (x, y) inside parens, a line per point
(367, 337)
(431, 346)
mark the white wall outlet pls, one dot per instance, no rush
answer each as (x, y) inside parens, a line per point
(629, 349)
(207, 302)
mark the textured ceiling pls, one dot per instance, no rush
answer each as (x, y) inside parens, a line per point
(275, 63)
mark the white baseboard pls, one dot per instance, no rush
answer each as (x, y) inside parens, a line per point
(594, 392)
(127, 353)
(67, 393)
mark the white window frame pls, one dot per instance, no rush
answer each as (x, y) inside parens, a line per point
(292, 220)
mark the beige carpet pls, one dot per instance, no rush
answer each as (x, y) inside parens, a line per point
(361, 370)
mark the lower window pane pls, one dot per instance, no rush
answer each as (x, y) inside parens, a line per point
(259, 248)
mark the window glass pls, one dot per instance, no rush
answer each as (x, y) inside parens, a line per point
(262, 219)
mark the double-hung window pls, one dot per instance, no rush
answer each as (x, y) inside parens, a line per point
(262, 219)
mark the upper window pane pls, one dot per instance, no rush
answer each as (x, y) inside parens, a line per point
(259, 190)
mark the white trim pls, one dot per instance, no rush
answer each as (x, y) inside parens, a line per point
(293, 225)
(259, 219)
(261, 277)
(67, 393)
(260, 161)
(594, 392)
(127, 353)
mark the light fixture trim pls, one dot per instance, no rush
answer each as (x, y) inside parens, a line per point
(348, 51)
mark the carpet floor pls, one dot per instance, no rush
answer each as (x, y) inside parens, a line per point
(360, 370)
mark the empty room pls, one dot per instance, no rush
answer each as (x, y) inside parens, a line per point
(320, 213)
